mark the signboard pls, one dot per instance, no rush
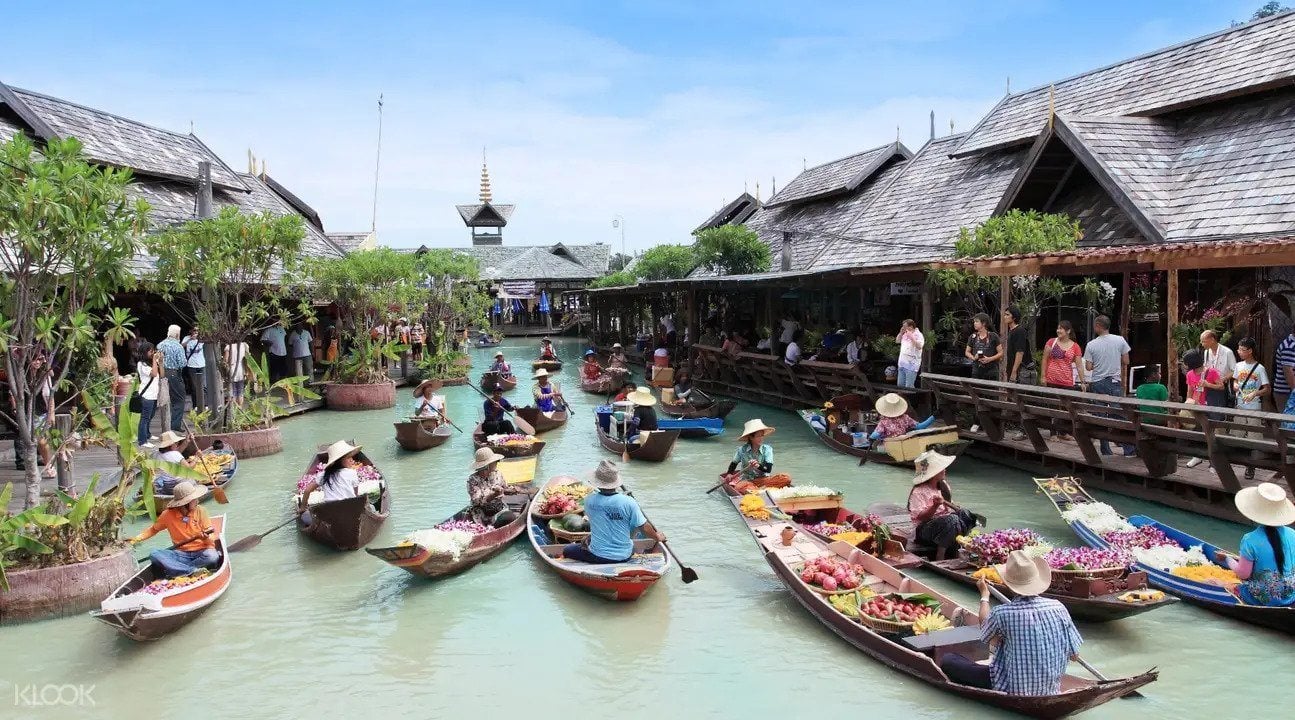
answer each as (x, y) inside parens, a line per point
(906, 288)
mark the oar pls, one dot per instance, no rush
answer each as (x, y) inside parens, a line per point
(252, 541)
(451, 422)
(625, 440)
(185, 541)
(723, 478)
(521, 424)
(1094, 671)
(216, 491)
(688, 573)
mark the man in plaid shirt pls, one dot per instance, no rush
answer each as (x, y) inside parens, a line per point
(1033, 637)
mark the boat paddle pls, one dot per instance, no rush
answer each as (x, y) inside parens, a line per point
(723, 478)
(1094, 671)
(687, 573)
(217, 491)
(176, 546)
(521, 424)
(451, 422)
(252, 541)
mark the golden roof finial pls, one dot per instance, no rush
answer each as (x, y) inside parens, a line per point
(1052, 104)
(485, 178)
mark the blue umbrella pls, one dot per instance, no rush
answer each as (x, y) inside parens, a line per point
(498, 310)
(517, 306)
(544, 301)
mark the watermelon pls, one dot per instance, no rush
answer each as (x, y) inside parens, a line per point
(575, 522)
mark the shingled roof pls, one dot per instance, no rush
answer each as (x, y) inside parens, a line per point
(837, 177)
(734, 212)
(540, 262)
(1253, 57)
(469, 213)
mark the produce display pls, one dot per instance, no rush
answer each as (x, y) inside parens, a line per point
(853, 537)
(1098, 516)
(165, 585)
(1212, 574)
(832, 574)
(992, 548)
(753, 507)
(575, 522)
(898, 608)
(1086, 558)
(828, 528)
(799, 491)
(1151, 547)
(931, 622)
(848, 603)
(989, 573)
(1143, 537)
(511, 439)
(577, 491)
(564, 499)
(216, 464)
(470, 526)
(440, 542)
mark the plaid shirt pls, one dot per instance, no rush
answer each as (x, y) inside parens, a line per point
(1036, 639)
(172, 354)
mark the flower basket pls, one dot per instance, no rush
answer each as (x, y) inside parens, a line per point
(886, 626)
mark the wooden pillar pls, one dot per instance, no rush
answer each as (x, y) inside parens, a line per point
(1004, 299)
(768, 311)
(1171, 319)
(62, 456)
(692, 316)
(1124, 307)
(928, 297)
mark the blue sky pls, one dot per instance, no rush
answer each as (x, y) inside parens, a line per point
(656, 111)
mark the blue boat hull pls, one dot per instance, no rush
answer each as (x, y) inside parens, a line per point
(693, 427)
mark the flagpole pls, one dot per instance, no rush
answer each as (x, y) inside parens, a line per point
(377, 165)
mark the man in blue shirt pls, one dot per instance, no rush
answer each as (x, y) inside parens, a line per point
(173, 364)
(496, 423)
(614, 517)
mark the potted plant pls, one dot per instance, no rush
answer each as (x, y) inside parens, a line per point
(1144, 296)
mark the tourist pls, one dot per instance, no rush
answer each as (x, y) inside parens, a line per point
(1200, 381)
(1020, 360)
(1250, 387)
(754, 457)
(683, 387)
(937, 520)
(911, 342)
(1152, 389)
(1221, 358)
(1107, 360)
(173, 364)
(486, 487)
(1032, 638)
(616, 358)
(274, 344)
(148, 367)
(614, 518)
(501, 366)
(894, 420)
(496, 422)
(788, 326)
(1266, 565)
(983, 349)
(791, 355)
(340, 480)
(299, 343)
(626, 388)
(1063, 364)
(191, 533)
(857, 351)
(430, 404)
(644, 419)
(591, 370)
(43, 409)
(1284, 371)
(236, 361)
(660, 356)
(417, 336)
(195, 369)
(546, 350)
(548, 397)
(730, 345)
(168, 451)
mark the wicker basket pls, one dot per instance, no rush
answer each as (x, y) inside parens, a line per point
(886, 626)
(1110, 573)
(578, 510)
(562, 535)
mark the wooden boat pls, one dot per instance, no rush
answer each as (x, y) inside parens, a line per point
(1065, 492)
(602, 385)
(142, 616)
(713, 409)
(550, 365)
(487, 343)
(919, 655)
(541, 421)
(346, 524)
(490, 379)
(161, 500)
(534, 448)
(693, 427)
(615, 581)
(656, 448)
(899, 450)
(423, 562)
(422, 434)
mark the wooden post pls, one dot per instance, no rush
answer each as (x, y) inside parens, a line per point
(62, 455)
(768, 310)
(1124, 308)
(928, 296)
(1171, 319)
(1004, 299)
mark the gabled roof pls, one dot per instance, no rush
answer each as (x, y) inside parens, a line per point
(114, 140)
(734, 212)
(1253, 57)
(837, 177)
(300, 205)
(540, 262)
(485, 213)
(349, 241)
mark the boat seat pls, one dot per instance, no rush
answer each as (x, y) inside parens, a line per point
(944, 638)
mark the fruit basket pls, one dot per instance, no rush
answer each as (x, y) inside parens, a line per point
(831, 575)
(890, 613)
(561, 534)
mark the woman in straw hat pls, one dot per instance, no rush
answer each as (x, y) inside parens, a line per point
(169, 445)
(616, 358)
(548, 397)
(340, 480)
(938, 521)
(614, 517)
(754, 457)
(1033, 638)
(430, 405)
(191, 532)
(486, 487)
(893, 418)
(1267, 562)
(501, 366)
(644, 419)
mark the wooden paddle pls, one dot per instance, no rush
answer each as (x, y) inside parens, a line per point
(252, 541)
(1094, 671)
(521, 424)
(687, 573)
(723, 478)
(216, 491)
(446, 419)
(625, 441)
(185, 541)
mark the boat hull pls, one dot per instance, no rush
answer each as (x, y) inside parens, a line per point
(602, 385)
(415, 435)
(160, 501)
(490, 379)
(550, 365)
(693, 428)
(656, 449)
(420, 561)
(716, 409)
(346, 524)
(540, 421)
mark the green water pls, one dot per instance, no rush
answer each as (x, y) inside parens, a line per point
(305, 631)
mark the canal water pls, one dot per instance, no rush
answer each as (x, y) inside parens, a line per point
(305, 632)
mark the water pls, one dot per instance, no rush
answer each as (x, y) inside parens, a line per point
(304, 630)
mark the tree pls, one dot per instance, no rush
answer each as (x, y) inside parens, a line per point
(217, 273)
(67, 234)
(618, 262)
(731, 250)
(1268, 10)
(616, 279)
(665, 262)
(455, 300)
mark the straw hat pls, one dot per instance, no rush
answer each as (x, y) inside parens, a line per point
(186, 492)
(541, 373)
(339, 450)
(891, 405)
(641, 397)
(1266, 504)
(169, 438)
(499, 354)
(485, 456)
(754, 426)
(929, 464)
(433, 383)
(1025, 575)
(606, 476)
(616, 346)
(546, 340)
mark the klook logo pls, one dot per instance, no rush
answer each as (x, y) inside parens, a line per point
(32, 695)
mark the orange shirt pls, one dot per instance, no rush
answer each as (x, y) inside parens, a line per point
(181, 528)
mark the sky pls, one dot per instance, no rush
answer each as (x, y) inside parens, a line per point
(653, 111)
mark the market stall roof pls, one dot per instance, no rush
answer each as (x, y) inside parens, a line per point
(842, 275)
(1198, 255)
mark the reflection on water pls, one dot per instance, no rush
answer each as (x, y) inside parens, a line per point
(304, 630)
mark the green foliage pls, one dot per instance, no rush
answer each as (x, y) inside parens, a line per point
(260, 410)
(455, 298)
(1186, 334)
(885, 346)
(362, 364)
(616, 279)
(731, 250)
(1269, 9)
(665, 262)
(442, 366)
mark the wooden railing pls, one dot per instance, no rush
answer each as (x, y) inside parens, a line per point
(1158, 432)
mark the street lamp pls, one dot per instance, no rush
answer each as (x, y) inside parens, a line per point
(619, 222)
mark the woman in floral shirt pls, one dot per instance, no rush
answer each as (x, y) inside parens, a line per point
(486, 487)
(894, 419)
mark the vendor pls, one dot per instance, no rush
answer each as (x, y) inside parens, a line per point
(546, 350)
(496, 422)
(169, 447)
(644, 419)
(430, 405)
(340, 480)
(894, 419)
(191, 532)
(1267, 562)
(617, 357)
(626, 388)
(754, 457)
(501, 367)
(591, 369)
(938, 521)
(683, 387)
(614, 518)
(486, 487)
(548, 397)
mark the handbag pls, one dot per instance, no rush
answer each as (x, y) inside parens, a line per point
(137, 400)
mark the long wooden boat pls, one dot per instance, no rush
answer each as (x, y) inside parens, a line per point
(490, 379)
(715, 409)
(144, 616)
(1065, 492)
(541, 421)
(656, 448)
(161, 500)
(900, 450)
(487, 343)
(550, 365)
(424, 562)
(602, 385)
(614, 581)
(693, 427)
(919, 656)
(422, 434)
(528, 450)
(346, 524)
